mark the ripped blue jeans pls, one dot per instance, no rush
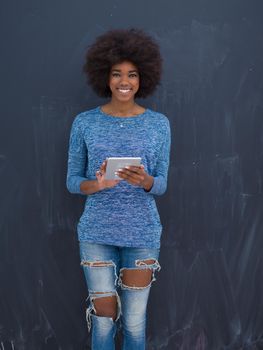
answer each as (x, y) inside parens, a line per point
(104, 266)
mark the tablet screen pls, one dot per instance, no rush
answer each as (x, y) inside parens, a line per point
(115, 163)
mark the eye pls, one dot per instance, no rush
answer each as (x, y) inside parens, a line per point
(133, 75)
(115, 74)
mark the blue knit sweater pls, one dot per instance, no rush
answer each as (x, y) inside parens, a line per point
(124, 215)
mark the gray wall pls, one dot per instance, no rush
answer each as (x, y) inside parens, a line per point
(209, 294)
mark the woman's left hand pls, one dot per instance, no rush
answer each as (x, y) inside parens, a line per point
(137, 176)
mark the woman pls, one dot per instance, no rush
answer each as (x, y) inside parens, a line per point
(119, 230)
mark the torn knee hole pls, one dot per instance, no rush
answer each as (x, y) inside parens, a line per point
(97, 263)
(136, 278)
(105, 306)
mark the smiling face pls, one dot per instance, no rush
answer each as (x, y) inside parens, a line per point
(124, 81)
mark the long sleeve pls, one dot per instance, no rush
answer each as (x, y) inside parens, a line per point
(161, 171)
(77, 157)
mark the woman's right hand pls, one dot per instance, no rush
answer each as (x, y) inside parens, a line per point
(100, 175)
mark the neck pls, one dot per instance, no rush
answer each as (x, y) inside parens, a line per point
(123, 108)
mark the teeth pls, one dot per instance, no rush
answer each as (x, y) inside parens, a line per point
(124, 90)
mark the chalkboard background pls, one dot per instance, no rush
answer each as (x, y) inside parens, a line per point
(209, 294)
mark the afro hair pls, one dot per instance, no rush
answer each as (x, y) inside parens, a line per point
(116, 46)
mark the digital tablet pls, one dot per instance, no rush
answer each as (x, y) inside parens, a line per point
(115, 163)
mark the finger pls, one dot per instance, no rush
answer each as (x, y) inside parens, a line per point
(136, 169)
(126, 172)
(98, 175)
(141, 166)
(131, 169)
(131, 177)
(132, 172)
(103, 167)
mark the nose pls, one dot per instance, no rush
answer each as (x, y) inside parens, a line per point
(124, 80)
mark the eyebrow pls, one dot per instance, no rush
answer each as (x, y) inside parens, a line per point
(130, 71)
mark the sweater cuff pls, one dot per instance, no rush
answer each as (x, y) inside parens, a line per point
(74, 184)
(158, 186)
(155, 186)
